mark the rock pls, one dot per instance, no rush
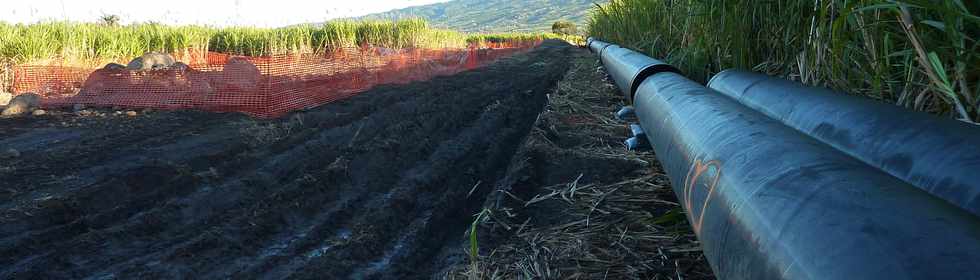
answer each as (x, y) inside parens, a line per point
(77, 107)
(105, 80)
(10, 153)
(5, 98)
(114, 66)
(200, 84)
(136, 64)
(22, 104)
(241, 75)
(151, 61)
(180, 67)
(85, 112)
(131, 113)
(39, 112)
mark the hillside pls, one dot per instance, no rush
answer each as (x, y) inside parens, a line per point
(496, 15)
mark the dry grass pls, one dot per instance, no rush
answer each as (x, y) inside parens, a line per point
(631, 229)
(6, 75)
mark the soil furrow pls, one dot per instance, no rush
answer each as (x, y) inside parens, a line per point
(374, 186)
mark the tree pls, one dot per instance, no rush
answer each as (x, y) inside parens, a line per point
(564, 27)
(110, 20)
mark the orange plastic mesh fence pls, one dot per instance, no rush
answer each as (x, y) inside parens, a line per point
(263, 87)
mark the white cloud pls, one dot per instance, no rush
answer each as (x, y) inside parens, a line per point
(208, 12)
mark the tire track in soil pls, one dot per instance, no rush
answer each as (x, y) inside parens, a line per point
(373, 186)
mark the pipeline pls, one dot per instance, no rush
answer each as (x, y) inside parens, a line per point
(596, 46)
(940, 156)
(629, 68)
(770, 202)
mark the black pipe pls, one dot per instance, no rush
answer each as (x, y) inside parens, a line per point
(628, 68)
(769, 202)
(940, 156)
(596, 46)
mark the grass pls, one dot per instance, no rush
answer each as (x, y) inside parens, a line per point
(81, 41)
(919, 54)
(86, 41)
(68, 41)
(474, 250)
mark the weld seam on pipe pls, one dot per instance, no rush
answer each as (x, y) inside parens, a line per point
(628, 68)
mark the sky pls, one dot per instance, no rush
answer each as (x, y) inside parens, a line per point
(263, 13)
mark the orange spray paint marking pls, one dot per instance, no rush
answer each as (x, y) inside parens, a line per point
(697, 169)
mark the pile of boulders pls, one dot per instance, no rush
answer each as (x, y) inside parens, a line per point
(151, 61)
(154, 61)
(154, 70)
(162, 70)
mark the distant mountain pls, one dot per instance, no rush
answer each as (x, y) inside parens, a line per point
(497, 15)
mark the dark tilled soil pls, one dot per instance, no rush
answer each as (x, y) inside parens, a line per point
(384, 185)
(376, 186)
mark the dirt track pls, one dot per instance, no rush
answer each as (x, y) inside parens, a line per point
(376, 186)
